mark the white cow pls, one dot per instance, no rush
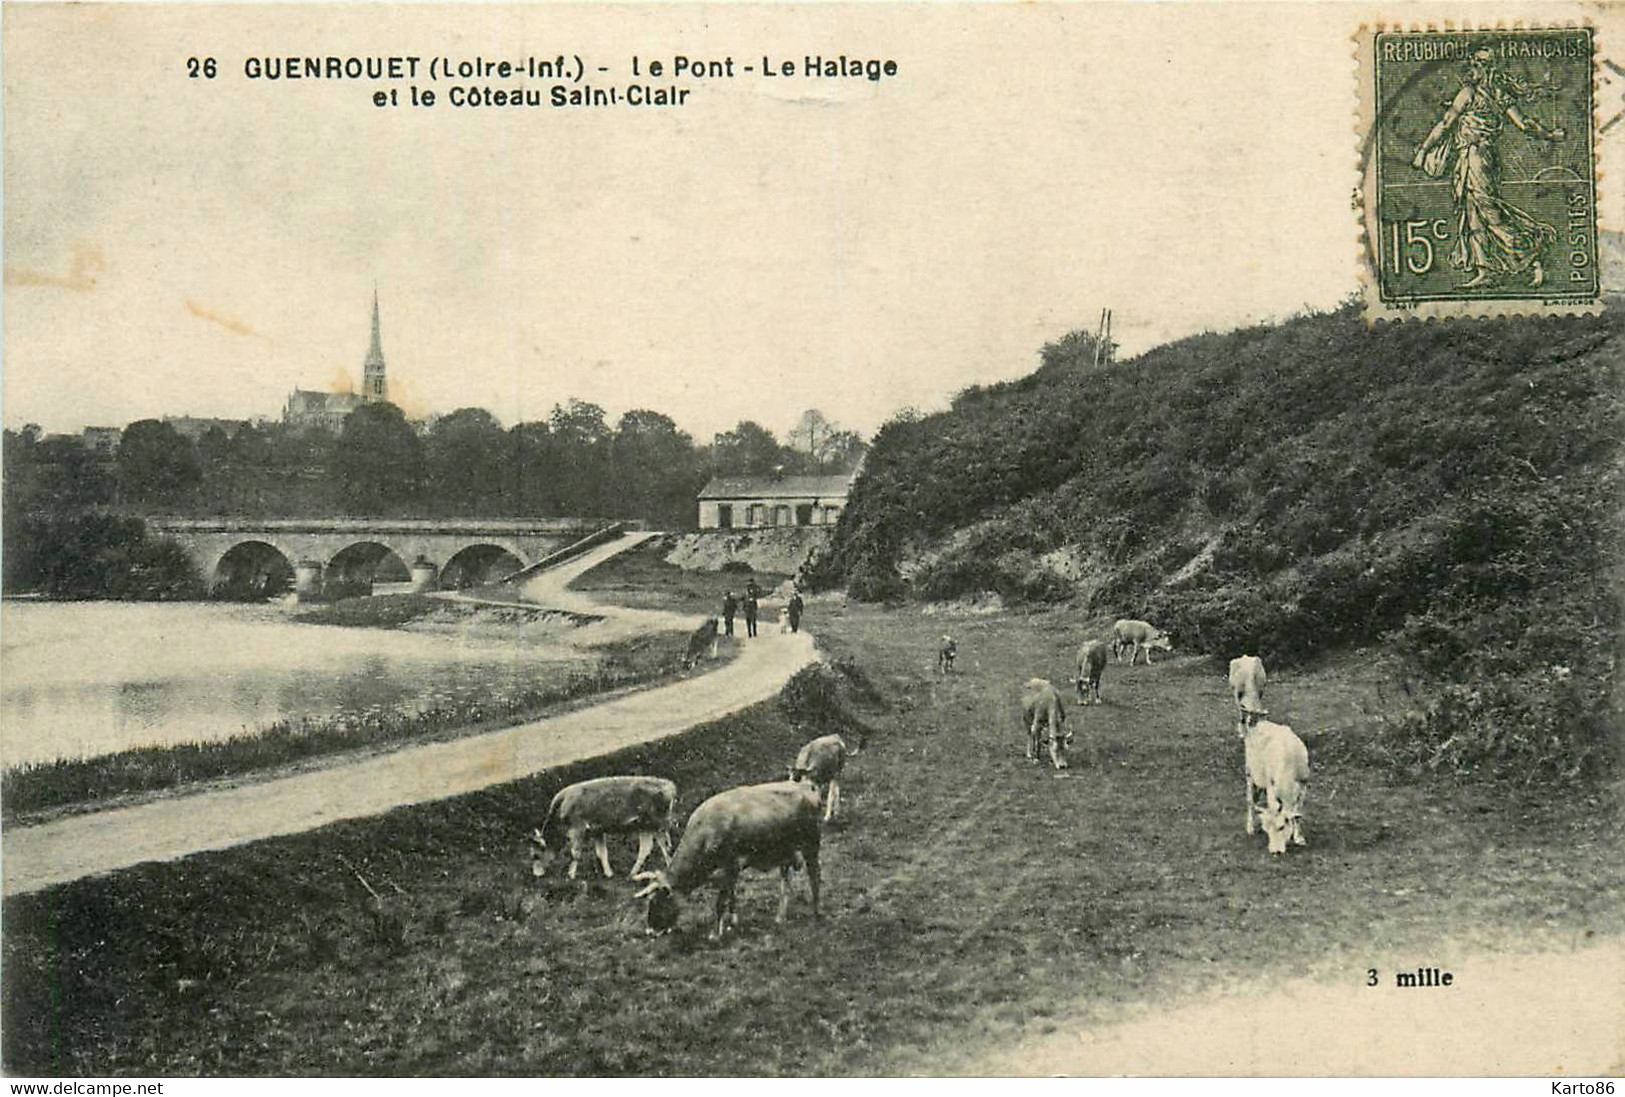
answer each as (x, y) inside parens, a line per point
(820, 763)
(1277, 765)
(755, 826)
(1247, 687)
(1138, 636)
(603, 806)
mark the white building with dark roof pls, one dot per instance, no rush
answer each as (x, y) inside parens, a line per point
(103, 441)
(760, 502)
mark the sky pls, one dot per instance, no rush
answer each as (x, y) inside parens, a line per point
(179, 245)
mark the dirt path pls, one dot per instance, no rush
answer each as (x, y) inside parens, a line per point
(87, 845)
(1537, 1014)
(551, 589)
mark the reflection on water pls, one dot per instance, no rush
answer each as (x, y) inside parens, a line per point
(87, 678)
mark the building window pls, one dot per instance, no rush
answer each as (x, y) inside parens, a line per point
(725, 516)
(781, 514)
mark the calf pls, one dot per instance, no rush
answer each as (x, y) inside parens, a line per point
(1247, 687)
(945, 655)
(607, 805)
(699, 640)
(1042, 714)
(820, 763)
(1091, 665)
(1277, 765)
(1135, 637)
(756, 826)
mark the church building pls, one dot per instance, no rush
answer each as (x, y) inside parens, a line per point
(328, 410)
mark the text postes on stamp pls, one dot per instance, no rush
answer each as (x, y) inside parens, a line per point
(1479, 189)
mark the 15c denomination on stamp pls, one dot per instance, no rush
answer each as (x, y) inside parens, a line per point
(1479, 180)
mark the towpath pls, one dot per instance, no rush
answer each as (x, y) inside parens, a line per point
(1557, 1012)
(86, 845)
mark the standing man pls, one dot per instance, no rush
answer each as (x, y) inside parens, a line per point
(795, 606)
(730, 606)
(752, 591)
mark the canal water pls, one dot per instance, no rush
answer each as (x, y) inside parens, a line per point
(82, 679)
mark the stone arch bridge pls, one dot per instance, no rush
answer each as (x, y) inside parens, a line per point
(330, 553)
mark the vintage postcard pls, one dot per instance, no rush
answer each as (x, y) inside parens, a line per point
(801, 540)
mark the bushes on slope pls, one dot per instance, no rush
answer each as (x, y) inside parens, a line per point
(1449, 486)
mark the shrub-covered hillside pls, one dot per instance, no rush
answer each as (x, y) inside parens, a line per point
(1288, 489)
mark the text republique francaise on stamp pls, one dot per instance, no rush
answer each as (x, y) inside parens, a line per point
(1479, 181)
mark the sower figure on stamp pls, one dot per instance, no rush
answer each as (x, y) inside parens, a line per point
(1493, 237)
(730, 606)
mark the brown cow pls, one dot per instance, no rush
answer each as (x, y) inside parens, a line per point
(757, 826)
(1043, 714)
(603, 806)
(819, 764)
(1091, 665)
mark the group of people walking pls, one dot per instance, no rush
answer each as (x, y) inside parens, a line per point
(751, 605)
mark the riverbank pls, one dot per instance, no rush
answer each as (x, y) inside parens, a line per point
(33, 794)
(520, 662)
(423, 613)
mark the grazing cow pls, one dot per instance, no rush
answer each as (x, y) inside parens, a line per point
(1042, 714)
(756, 826)
(701, 638)
(607, 805)
(1135, 637)
(1278, 765)
(945, 655)
(820, 763)
(1247, 687)
(1091, 665)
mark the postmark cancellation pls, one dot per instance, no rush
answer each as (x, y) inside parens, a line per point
(1479, 188)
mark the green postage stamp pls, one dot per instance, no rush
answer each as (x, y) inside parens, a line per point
(1479, 180)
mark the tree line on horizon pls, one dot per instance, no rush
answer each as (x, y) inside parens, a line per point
(574, 463)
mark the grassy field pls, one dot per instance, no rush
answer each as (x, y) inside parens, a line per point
(971, 898)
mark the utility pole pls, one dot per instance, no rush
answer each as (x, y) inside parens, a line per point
(1103, 340)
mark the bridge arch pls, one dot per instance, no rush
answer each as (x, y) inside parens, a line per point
(355, 567)
(251, 570)
(483, 562)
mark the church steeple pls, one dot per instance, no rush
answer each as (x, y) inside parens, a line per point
(374, 385)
